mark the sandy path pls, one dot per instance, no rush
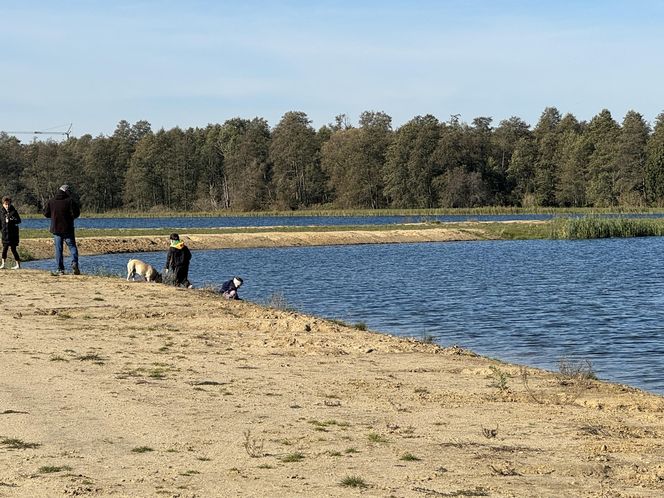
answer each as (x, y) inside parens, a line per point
(232, 399)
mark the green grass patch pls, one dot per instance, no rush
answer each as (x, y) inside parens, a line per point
(506, 231)
(409, 457)
(25, 255)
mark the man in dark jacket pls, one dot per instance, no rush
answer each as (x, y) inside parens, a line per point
(63, 210)
(177, 262)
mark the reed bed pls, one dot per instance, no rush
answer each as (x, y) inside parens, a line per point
(591, 227)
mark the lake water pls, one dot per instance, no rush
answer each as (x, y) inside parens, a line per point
(530, 302)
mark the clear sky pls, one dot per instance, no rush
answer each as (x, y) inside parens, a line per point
(190, 63)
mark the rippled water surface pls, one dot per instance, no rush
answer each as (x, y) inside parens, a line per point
(531, 302)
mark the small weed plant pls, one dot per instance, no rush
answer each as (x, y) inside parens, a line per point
(427, 338)
(376, 438)
(353, 482)
(574, 371)
(292, 457)
(18, 444)
(51, 469)
(277, 300)
(142, 449)
(499, 378)
(94, 357)
(100, 271)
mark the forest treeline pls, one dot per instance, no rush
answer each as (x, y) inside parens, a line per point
(245, 165)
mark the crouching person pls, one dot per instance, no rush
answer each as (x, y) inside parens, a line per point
(177, 262)
(229, 289)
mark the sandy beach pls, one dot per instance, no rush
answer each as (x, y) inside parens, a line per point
(115, 388)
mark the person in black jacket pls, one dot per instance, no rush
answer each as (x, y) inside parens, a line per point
(229, 289)
(9, 221)
(63, 210)
(177, 262)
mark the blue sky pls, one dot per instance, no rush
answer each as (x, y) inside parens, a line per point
(198, 62)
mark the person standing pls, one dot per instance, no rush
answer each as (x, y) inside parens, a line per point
(9, 221)
(62, 209)
(177, 262)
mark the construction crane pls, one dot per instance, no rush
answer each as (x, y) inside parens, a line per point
(66, 133)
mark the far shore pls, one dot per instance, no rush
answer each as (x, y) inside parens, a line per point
(42, 248)
(38, 244)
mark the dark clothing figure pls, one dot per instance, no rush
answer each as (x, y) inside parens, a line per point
(9, 222)
(229, 288)
(177, 262)
(63, 210)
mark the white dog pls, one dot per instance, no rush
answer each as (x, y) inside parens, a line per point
(138, 267)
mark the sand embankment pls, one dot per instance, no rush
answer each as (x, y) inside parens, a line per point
(112, 388)
(43, 248)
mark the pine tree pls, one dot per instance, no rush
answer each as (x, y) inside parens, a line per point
(603, 133)
(654, 182)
